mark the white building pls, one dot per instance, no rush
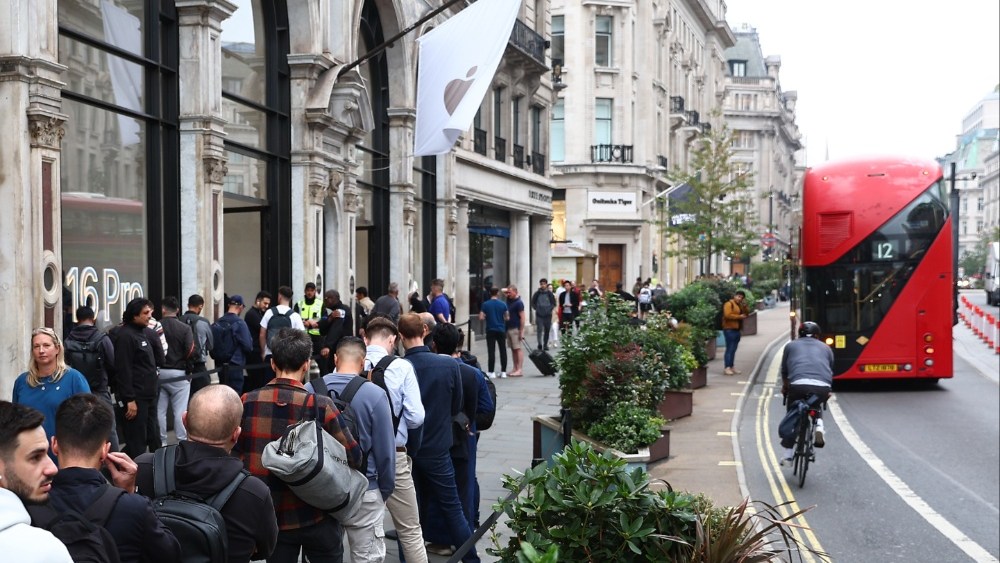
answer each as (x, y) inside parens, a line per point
(639, 81)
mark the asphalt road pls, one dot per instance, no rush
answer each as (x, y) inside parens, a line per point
(910, 473)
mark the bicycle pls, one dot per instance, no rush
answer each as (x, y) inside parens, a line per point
(804, 450)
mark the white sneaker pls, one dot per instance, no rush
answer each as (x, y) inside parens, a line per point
(491, 375)
(503, 375)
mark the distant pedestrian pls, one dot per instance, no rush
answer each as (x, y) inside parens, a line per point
(201, 328)
(388, 304)
(516, 320)
(175, 387)
(569, 308)
(544, 303)
(255, 362)
(733, 313)
(494, 313)
(232, 373)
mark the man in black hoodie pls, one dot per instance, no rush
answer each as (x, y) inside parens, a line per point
(204, 467)
(82, 422)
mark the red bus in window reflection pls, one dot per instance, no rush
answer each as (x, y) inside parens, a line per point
(103, 251)
(876, 266)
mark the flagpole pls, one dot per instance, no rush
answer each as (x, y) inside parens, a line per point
(388, 42)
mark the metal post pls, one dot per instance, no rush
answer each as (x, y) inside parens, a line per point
(954, 202)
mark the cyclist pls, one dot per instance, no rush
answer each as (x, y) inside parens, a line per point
(806, 369)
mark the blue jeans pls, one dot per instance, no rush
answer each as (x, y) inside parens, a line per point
(434, 477)
(322, 543)
(732, 341)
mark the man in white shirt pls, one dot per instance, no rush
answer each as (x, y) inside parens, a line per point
(380, 334)
(286, 318)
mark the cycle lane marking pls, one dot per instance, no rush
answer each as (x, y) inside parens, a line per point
(911, 498)
(780, 489)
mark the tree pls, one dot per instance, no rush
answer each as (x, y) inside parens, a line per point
(717, 214)
(974, 261)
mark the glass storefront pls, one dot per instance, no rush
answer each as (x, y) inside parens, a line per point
(489, 257)
(119, 151)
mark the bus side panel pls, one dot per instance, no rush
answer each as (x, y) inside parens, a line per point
(924, 307)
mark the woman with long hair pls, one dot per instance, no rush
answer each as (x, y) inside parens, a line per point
(48, 381)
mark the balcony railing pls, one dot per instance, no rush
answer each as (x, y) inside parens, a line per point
(611, 153)
(528, 42)
(500, 149)
(479, 141)
(705, 127)
(518, 152)
(538, 163)
(692, 117)
(661, 161)
(676, 104)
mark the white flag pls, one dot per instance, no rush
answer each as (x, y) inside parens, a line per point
(457, 62)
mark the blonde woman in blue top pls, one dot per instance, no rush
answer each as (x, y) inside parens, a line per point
(48, 381)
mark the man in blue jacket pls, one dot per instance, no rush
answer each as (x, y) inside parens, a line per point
(370, 410)
(441, 391)
(233, 374)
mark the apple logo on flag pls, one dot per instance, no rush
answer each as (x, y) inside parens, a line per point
(456, 89)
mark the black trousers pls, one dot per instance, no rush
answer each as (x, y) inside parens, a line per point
(544, 327)
(143, 431)
(493, 339)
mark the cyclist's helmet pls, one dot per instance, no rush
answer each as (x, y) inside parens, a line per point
(809, 328)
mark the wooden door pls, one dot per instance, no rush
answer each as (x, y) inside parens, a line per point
(609, 265)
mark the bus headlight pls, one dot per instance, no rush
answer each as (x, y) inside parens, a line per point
(907, 367)
(829, 341)
(929, 350)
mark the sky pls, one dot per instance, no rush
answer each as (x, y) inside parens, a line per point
(879, 76)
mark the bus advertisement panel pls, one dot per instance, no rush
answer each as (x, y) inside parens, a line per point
(877, 268)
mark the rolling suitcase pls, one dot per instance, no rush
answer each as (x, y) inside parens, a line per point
(542, 360)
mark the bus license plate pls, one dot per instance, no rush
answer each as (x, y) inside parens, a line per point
(881, 367)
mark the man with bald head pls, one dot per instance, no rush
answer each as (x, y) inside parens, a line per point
(204, 467)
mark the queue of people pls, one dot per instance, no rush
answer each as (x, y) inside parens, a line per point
(410, 428)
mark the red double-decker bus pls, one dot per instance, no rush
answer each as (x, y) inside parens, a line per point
(877, 268)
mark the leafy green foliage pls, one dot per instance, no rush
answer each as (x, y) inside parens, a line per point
(627, 428)
(588, 508)
(632, 375)
(719, 213)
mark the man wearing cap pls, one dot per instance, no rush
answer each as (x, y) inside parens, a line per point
(232, 373)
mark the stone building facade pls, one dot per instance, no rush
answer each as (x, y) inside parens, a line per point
(638, 82)
(172, 147)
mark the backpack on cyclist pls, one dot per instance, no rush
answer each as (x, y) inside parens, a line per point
(87, 357)
(277, 322)
(196, 522)
(84, 534)
(343, 402)
(224, 341)
(790, 423)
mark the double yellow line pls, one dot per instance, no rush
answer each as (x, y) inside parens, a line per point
(780, 489)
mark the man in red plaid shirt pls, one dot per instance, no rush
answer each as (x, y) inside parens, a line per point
(266, 413)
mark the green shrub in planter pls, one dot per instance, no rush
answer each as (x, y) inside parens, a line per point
(675, 352)
(631, 375)
(627, 428)
(595, 510)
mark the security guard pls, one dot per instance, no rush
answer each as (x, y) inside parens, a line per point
(311, 310)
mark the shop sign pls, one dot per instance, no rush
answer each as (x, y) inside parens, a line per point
(611, 202)
(100, 292)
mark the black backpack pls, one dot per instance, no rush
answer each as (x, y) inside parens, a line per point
(84, 534)
(377, 376)
(192, 320)
(277, 322)
(87, 357)
(196, 522)
(483, 420)
(343, 402)
(224, 341)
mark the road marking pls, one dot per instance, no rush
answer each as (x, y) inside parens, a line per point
(737, 394)
(725, 433)
(947, 529)
(730, 410)
(730, 464)
(773, 471)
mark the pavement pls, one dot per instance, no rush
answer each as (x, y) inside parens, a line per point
(704, 454)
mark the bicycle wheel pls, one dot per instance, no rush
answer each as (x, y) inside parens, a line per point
(807, 451)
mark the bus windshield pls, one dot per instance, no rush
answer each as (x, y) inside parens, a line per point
(855, 292)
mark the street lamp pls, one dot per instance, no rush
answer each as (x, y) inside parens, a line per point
(954, 203)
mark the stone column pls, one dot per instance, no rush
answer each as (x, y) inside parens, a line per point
(541, 256)
(462, 305)
(202, 155)
(520, 251)
(402, 263)
(31, 278)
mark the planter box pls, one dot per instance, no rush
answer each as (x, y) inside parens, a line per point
(676, 404)
(548, 441)
(712, 347)
(660, 449)
(749, 325)
(699, 378)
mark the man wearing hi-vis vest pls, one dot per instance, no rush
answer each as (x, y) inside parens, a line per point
(311, 310)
